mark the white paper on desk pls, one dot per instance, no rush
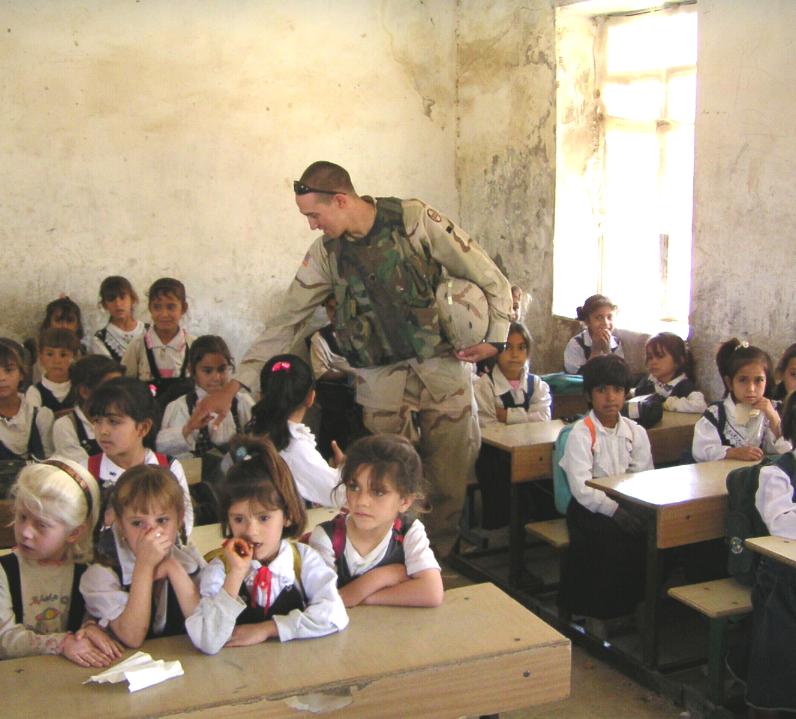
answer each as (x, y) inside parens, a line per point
(140, 670)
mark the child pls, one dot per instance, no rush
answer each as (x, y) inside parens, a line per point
(122, 411)
(671, 374)
(262, 586)
(603, 571)
(511, 394)
(25, 430)
(160, 355)
(597, 316)
(41, 610)
(786, 373)
(62, 313)
(118, 299)
(745, 424)
(772, 662)
(381, 554)
(183, 430)
(73, 433)
(146, 585)
(58, 349)
(288, 391)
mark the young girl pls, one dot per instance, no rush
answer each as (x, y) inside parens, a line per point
(73, 433)
(160, 355)
(671, 374)
(511, 394)
(597, 316)
(41, 610)
(62, 313)
(58, 349)
(745, 424)
(185, 430)
(772, 662)
(25, 430)
(603, 571)
(122, 412)
(288, 391)
(118, 299)
(786, 373)
(262, 586)
(381, 554)
(145, 585)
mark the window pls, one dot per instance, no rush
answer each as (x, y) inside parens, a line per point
(625, 159)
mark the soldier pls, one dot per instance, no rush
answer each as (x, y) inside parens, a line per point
(383, 259)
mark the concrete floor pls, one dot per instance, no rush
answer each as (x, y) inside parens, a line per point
(598, 690)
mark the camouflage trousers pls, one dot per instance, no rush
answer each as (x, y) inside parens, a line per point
(447, 437)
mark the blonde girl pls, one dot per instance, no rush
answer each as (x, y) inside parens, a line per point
(56, 504)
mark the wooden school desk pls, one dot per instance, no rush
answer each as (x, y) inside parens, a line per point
(683, 505)
(779, 548)
(530, 446)
(480, 652)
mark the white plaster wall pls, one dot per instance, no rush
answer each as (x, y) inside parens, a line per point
(744, 191)
(505, 158)
(160, 137)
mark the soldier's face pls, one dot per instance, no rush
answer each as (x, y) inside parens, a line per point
(328, 217)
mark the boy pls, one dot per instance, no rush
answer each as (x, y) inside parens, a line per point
(58, 349)
(603, 572)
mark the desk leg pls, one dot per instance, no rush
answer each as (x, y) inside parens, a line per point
(516, 539)
(652, 604)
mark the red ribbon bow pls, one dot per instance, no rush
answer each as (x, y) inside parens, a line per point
(262, 581)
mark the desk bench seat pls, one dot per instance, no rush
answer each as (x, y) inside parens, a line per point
(553, 531)
(718, 600)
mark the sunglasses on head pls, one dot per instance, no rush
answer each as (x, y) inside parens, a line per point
(301, 189)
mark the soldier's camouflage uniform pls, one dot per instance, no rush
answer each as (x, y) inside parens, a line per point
(409, 381)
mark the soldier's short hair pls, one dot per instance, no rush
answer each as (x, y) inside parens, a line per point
(324, 175)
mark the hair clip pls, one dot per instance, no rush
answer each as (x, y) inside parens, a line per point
(242, 454)
(742, 345)
(281, 366)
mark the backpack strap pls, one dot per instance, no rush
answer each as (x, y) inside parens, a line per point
(234, 411)
(592, 430)
(94, 462)
(586, 349)
(153, 367)
(184, 367)
(719, 422)
(338, 535)
(164, 460)
(35, 445)
(77, 607)
(10, 564)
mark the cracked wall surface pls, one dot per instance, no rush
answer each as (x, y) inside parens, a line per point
(161, 138)
(744, 194)
(505, 157)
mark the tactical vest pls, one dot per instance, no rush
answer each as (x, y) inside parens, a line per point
(385, 289)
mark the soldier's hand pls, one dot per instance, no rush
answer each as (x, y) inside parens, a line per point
(476, 353)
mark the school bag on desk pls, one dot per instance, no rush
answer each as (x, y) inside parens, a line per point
(743, 519)
(562, 495)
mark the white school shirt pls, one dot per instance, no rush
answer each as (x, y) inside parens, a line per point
(106, 597)
(488, 391)
(774, 501)
(694, 402)
(314, 478)
(65, 437)
(110, 472)
(170, 438)
(575, 357)
(168, 357)
(211, 625)
(707, 446)
(116, 338)
(15, 431)
(418, 555)
(625, 448)
(46, 601)
(59, 389)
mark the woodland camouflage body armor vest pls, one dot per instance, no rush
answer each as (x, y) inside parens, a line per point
(385, 289)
